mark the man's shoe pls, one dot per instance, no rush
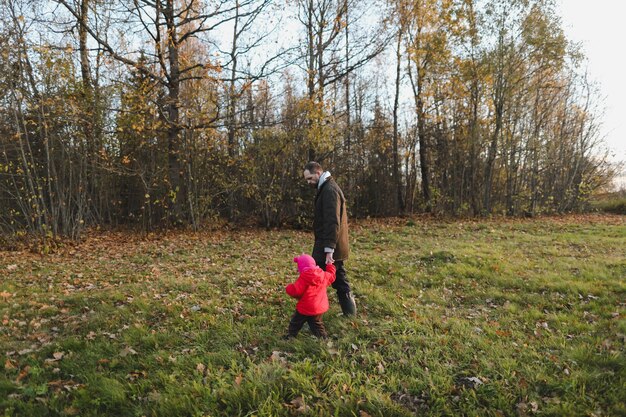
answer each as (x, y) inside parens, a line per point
(347, 303)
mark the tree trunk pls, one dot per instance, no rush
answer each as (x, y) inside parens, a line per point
(231, 89)
(493, 147)
(176, 183)
(423, 142)
(396, 162)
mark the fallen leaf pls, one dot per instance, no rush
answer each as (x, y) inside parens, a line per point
(154, 396)
(278, 357)
(132, 376)
(380, 368)
(56, 385)
(297, 402)
(551, 400)
(71, 411)
(23, 374)
(11, 267)
(127, 351)
(471, 382)
(299, 405)
(9, 365)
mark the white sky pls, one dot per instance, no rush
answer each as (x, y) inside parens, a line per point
(600, 26)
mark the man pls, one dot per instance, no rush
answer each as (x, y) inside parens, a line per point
(330, 228)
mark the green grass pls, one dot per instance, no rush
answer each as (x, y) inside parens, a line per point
(493, 318)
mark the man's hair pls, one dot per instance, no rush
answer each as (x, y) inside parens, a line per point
(313, 167)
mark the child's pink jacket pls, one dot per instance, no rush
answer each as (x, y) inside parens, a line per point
(310, 289)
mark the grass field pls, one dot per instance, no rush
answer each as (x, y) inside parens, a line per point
(458, 318)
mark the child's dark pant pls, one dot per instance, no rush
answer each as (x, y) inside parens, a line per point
(315, 324)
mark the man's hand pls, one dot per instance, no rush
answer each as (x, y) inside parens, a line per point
(329, 258)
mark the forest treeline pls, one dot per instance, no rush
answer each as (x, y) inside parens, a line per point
(160, 113)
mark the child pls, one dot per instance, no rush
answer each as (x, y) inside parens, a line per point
(310, 290)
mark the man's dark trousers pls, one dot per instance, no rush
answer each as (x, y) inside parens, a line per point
(341, 283)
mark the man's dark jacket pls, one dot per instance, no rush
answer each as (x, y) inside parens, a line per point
(330, 222)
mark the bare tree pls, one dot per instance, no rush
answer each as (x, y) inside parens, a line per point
(426, 44)
(168, 24)
(325, 24)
